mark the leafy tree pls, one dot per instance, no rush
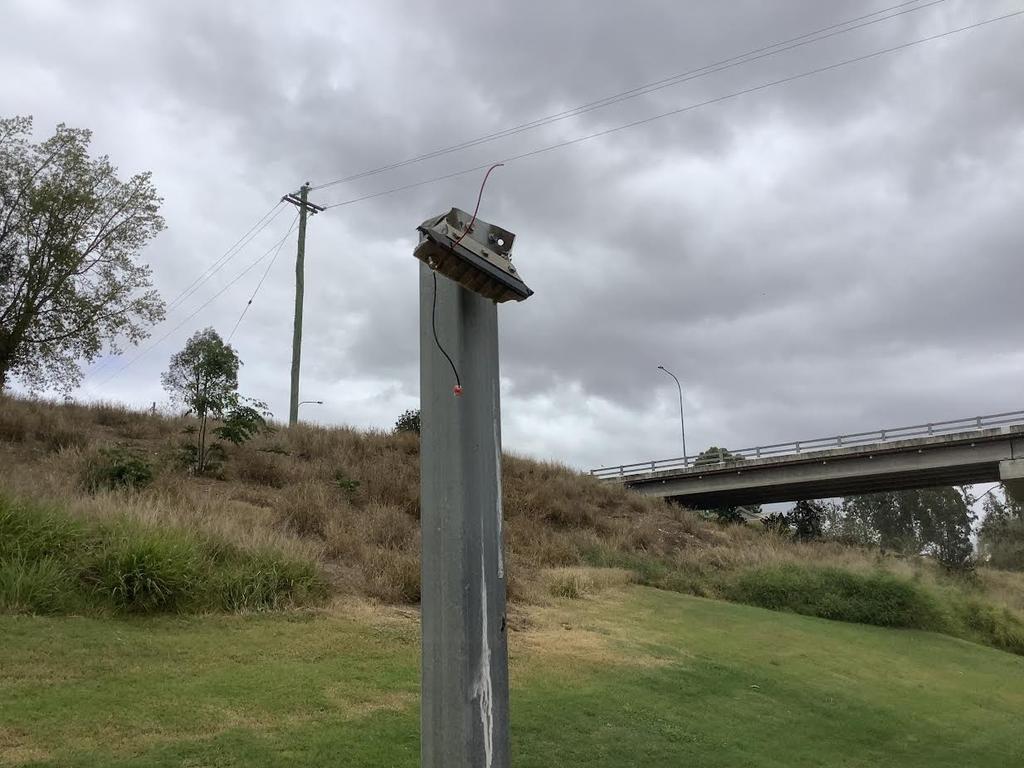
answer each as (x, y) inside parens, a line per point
(244, 419)
(70, 232)
(806, 520)
(933, 521)
(204, 378)
(947, 521)
(409, 421)
(1001, 535)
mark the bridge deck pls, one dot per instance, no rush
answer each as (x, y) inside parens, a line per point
(975, 456)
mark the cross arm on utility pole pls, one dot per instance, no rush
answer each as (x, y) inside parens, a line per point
(296, 199)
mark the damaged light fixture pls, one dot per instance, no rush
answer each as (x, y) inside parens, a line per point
(473, 253)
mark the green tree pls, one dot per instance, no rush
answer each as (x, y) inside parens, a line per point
(1001, 535)
(204, 378)
(932, 521)
(806, 520)
(70, 233)
(409, 421)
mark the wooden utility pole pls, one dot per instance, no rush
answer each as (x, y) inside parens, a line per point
(305, 207)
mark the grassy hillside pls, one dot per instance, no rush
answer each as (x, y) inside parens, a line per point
(347, 502)
(628, 677)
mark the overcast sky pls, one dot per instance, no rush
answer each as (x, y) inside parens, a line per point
(838, 253)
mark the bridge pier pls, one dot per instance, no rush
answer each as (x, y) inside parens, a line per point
(1011, 473)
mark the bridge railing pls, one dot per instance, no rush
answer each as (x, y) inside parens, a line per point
(815, 444)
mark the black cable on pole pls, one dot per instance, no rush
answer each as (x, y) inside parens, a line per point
(783, 46)
(433, 326)
(681, 110)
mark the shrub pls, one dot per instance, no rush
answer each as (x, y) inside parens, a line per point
(114, 468)
(878, 598)
(348, 486)
(992, 625)
(38, 585)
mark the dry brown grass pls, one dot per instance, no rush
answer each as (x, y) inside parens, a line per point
(350, 500)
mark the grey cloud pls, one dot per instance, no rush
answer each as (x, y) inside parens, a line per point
(833, 254)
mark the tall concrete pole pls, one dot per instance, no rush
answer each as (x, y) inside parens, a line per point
(300, 287)
(464, 715)
(682, 424)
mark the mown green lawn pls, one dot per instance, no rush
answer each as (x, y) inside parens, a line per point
(635, 677)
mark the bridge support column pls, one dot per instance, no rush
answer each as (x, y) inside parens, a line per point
(1011, 473)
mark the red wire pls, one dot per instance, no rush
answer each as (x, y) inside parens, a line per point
(479, 197)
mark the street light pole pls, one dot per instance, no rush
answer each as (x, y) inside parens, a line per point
(682, 424)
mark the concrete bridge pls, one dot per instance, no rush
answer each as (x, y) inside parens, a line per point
(959, 452)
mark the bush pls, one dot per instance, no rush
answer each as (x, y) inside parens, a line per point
(830, 593)
(114, 468)
(994, 626)
(408, 422)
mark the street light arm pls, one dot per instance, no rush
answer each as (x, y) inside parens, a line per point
(682, 423)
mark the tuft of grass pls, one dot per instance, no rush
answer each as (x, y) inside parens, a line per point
(35, 531)
(145, 571)
(266, 581)
(393, 576)
(38, 586)
(50, 563)
(262, 468)
(577, 583)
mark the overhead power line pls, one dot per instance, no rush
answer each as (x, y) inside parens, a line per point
(209, 272)
(227, 256)
(774, 49)
(266, 272)
(680, 110)
(276, 246)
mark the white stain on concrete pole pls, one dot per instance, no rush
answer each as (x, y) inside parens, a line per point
(482, 690)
